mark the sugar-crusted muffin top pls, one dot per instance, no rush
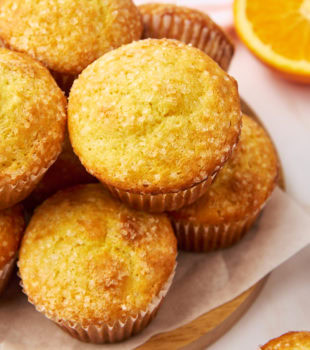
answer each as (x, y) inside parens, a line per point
(87, 258)
(244, 183)
(11, 229)
(154, 116)
(289, 341)
(32, 116)
(188, 25)
(67, 35)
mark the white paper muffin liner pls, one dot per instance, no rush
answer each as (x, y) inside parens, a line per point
(205, 35)
(116, 332)
(170, 201)
(205, 238)
(18, 189)
(5, 274)
(158, 203)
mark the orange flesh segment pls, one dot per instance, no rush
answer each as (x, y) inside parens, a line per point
(282, 25)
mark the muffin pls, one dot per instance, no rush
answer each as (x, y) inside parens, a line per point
(67, 35)
(67, 171)
(190, 26)
(97, 268)
(289, 341)
(232, 203)
(11, 229)
(32, 124)
(154, 120)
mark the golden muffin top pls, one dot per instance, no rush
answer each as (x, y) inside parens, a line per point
(243, 185)
(154, 116)
(187, 25)
(67, 35)
(87, 258)
(11, 229)
(289, 341)
(32, 116)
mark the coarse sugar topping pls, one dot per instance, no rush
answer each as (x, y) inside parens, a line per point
(94, 260)
(32, 117)
(154, 115)
(243, 185)
(68, 35)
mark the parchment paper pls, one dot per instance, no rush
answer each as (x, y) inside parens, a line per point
(282, 306)
(202, 282)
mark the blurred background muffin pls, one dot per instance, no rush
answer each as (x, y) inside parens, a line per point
(94, 266)
(11, 229)
(67, 35)
(232, 203)
(154, 120)
(32, 124)
(191, 26)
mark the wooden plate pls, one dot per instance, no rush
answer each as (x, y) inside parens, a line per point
(209, 327)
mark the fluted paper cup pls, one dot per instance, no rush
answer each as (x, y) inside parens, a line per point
(111, 333)
(158, 203)
(205, 238)
(16, 190)
(189, 26)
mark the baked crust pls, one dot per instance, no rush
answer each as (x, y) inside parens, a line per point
(68, 35)
(12, 224)
(242, 186)
(289, 341)
(154, 116)
(190, 26)
(88, 259)
(32, 124)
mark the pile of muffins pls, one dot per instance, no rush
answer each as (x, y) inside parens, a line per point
(151, 151)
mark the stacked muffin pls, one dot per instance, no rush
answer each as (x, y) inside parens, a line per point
(232, 203)
(157, 122)
(154, 121)
(102, 269)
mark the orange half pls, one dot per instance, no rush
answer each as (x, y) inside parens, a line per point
(278, 33)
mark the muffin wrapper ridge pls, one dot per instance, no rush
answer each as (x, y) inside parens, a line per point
(120, 330)
(205, 238)
(6, 273)
(208, 38)
(17, 190)
(158, 203)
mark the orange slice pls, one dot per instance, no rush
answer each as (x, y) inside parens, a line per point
(278, 33)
